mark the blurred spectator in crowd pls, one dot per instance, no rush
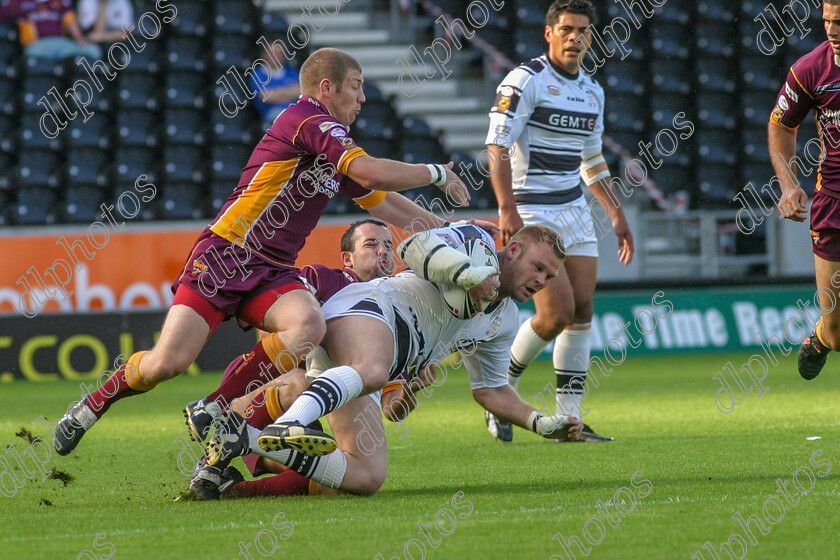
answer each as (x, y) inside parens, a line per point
(103, 20)
(42, 25)
(279, 88)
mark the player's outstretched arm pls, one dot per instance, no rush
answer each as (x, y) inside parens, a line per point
(506, 405)
(388, 175)
(782, 144)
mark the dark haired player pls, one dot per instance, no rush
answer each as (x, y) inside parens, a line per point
(545, 135)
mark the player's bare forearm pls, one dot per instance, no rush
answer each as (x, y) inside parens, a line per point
(505, 404)
(498, 164)
(395, 176)
(609, 200)
(782, 146)
(402, 212)
(399, 403)
(501, 178)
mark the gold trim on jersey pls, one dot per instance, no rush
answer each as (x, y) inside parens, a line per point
(371, 199)
(261, 191)
(347, 157)
(792, 73)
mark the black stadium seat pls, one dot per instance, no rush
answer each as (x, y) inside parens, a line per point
(39, 168)
(81, 204)
(185, 126)
(227, 161)
(88, 166)
(35, 206)
(185, 89)
(137, 128)
(180, 201)
(184, 164)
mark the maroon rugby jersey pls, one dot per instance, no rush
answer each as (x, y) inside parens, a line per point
(813, 82)
(293, 172)
(327, 281)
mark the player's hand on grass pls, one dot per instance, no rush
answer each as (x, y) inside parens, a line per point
(456, 191)
(566, 427)
(486, 290)
(509, 223)
(793, 206)
(625, 239)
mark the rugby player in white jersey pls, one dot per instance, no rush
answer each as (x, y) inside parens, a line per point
(545, 135)
(378, 330)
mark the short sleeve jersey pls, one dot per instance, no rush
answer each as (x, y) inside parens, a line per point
(549, 119)
(813, 83)
(293, 172)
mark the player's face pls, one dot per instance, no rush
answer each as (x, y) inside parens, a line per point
(530, 272)
(373, 252)
(567, 40)
(347, 103)
(831, 21)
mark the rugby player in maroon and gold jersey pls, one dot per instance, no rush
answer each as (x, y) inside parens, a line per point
(813, 84)
(243, 264)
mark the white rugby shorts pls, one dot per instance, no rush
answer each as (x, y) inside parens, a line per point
(571, 220)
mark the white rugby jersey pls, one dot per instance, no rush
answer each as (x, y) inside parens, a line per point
(551, 118)
(483, 341)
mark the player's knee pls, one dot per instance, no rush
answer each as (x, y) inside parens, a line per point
(370, 483)
(312, 327)
(159, 369)
(549, 326)
(583, 311)
(374, 377)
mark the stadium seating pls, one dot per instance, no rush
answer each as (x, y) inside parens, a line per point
(699, 58)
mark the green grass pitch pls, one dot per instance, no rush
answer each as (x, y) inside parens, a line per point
(703, 466)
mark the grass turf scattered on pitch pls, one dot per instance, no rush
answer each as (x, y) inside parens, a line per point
(703, 467)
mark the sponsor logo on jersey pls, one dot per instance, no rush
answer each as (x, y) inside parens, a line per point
(553, 90)
(557, 118)
(325, 126)
(347, 142)
(593, 101)
(777, 115)
(828, 87)
(338, 132)
(575, 99)
(506, 100)
(792, 94)
(783, 103)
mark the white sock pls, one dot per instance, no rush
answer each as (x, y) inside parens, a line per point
(328, 469)
(571, 358)
(526, 347)
(330, 390)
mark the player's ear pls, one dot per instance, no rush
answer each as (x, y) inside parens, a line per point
(325, 87)
(346, 259)
(513, 250)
